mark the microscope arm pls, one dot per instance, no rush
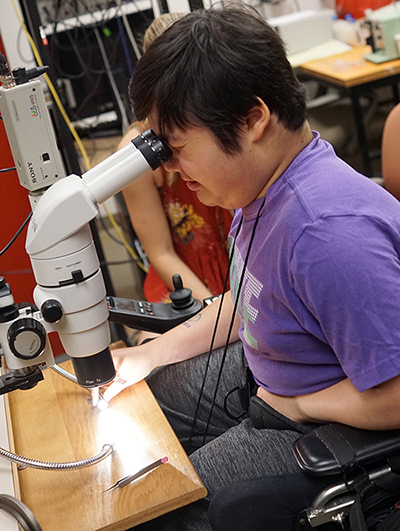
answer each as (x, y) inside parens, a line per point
(70, 291)
(72, 202)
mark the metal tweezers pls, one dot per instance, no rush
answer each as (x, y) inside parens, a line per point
(128, 479)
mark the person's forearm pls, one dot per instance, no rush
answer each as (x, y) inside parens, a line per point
(185, 341)
(194, 336)
(376, 409)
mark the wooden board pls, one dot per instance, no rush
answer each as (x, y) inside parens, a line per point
(55, 422)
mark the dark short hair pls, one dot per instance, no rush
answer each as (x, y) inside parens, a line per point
(209, 68)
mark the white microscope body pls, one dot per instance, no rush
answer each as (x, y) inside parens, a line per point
(65, 263)
(70, 292)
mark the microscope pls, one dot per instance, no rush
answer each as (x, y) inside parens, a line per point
(70, 296)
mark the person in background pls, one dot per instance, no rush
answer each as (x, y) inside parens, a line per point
(313, 312)
(391, 152)
(179, 234)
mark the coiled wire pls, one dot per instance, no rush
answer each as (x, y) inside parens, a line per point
(44, 465)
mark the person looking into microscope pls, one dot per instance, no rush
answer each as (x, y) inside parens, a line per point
(315, 276)
(179, 234)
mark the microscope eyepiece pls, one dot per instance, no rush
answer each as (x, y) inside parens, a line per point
(154, 150)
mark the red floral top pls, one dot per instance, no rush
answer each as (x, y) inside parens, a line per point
(199, 234)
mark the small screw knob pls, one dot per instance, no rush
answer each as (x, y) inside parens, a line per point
(51, 310)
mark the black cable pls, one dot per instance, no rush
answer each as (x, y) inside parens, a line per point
(107, 231)
(146, 19)
(119, 242)
(124, 44)
(233, 317)
(20, 512)
(192, 432)
(56, 47)
(229, 330)
(77, 42)
(87, 62)
(7, 169)
(72, 33)
(90, 95)
(16, 234)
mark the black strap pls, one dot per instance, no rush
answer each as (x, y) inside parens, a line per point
(384, 489)
(244, 393)
(339, 447)
(356, 516)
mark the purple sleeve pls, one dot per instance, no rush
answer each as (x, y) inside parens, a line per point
(346, 270)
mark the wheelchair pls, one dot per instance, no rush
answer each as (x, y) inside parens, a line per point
(348, 479)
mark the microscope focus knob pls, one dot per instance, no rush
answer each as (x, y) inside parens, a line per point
(26, 338)
(181, 297)
(52, 311)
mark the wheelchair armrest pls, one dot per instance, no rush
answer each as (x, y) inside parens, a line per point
(335, 448)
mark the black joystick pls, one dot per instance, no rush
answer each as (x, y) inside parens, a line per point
(181, 297)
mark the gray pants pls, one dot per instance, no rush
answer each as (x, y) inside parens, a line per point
(233, 450)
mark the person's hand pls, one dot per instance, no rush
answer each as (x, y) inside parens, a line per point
(132, 365)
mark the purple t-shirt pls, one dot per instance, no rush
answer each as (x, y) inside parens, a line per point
(320, 299)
